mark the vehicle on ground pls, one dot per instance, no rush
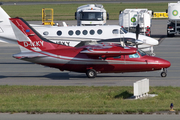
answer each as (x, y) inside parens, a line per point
(130, 18)
(173, 24)
(91, 14)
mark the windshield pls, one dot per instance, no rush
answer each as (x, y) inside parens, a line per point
(142, 53)
(122, 29)
(96, 16)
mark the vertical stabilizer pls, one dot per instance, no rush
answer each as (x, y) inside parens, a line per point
(29, 39)
(4, 17)
(6, 31)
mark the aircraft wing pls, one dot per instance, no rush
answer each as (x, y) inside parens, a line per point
(107, 50)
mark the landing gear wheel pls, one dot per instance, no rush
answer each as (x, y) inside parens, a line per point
(91, 73)
(163, 74)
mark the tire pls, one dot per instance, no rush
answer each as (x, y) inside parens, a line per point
(91, 73)
(163, 74)
(168, 35)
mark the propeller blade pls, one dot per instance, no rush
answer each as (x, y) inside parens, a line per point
(138, 42)
(136, 45)
(137, 31)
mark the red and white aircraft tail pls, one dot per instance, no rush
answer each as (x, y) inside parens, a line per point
(30, 40)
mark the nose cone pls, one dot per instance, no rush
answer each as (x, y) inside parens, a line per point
(148, 40)
(163, 63)
(166, 64)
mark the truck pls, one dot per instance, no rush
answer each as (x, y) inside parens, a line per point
(130, 18)
(91, 14)
(173, 24)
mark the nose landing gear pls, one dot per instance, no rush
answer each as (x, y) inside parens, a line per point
(164, 72)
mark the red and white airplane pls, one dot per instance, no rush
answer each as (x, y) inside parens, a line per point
(90, 59)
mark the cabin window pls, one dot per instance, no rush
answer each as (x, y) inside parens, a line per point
(70, 32)
(117, 57)
(142, 53)
(78, 32)
(85, 32)
(115, 31)
(45, 33)
(99, 31)
(92, 32)
(134, 55)
(59, 33)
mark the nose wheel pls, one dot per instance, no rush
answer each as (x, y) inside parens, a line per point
(164, 72)
(91, 73)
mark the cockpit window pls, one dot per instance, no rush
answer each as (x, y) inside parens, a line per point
(123, 30)
(134, 55)
(142, 53)
(115, 31)
(89, 16)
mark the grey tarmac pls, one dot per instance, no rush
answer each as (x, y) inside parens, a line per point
(67, 116)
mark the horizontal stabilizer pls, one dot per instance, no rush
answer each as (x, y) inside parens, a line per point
(28, 55)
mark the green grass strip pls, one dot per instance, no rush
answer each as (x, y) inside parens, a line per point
(67, 11)
(83, 99)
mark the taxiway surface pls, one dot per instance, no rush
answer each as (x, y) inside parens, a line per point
(17, 72)
(52, 116)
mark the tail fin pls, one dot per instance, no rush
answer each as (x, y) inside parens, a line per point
(6, 31)
(29, 39)
(4, 17)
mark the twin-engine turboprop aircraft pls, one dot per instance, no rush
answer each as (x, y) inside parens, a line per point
(76, 36)
(90, 59)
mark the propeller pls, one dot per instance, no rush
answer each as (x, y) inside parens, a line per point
(132, 42)
(137, 34)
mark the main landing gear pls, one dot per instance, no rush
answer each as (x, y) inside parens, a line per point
(91, 73)
(164, 72)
